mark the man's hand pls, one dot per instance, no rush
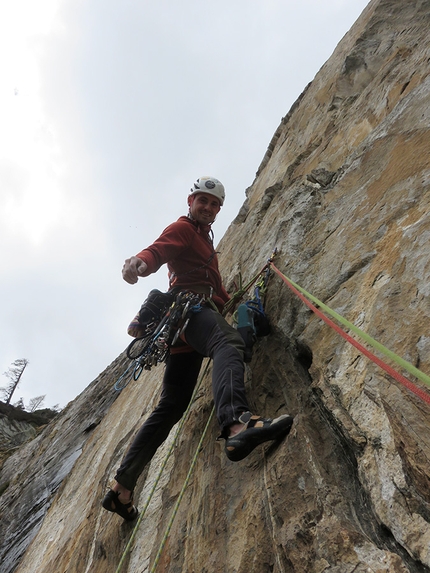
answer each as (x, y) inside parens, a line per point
(133, 269)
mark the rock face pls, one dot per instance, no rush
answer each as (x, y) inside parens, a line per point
(18, 426)
(13, 431)
(343, 193)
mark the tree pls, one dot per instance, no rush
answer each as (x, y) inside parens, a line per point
(14, 374)
(20, 404)
(35, 403)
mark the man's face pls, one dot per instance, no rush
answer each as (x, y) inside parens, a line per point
(204, 207)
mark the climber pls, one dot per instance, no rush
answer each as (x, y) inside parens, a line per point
(187, 248)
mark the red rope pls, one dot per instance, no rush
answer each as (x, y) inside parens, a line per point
(407, 383)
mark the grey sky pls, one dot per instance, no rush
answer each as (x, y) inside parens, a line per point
(110, 111)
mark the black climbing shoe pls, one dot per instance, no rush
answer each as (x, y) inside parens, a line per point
(112, 503)
(256, 431)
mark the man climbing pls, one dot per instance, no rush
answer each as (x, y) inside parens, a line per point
(187, 248)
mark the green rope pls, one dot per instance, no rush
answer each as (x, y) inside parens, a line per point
(395, 357)
(242, 290)
(160, 472)
(181, 494)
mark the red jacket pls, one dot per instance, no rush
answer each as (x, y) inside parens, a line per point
(188, 250)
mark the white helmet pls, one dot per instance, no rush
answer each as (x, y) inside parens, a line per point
(211, 186)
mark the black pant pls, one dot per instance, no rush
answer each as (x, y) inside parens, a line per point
(209, 335)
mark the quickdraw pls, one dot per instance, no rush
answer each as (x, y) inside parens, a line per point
(153, 348)
(250, 318)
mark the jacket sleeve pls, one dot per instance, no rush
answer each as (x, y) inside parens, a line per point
(170, 244)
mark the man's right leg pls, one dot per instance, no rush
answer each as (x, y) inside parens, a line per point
(179, 380)
(211, 335)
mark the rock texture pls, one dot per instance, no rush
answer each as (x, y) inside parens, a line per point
(343, 193)
(18, 426)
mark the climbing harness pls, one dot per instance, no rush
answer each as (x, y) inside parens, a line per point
(152, 349)
(161, 329)
(163, 318)
(304, 296)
